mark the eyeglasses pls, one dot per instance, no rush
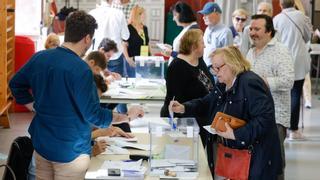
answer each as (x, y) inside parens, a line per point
(217, 69)
(241, 19)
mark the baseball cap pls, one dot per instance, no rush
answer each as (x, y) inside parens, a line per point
(209, 8)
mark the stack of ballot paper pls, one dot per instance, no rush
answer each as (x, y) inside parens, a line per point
(117, 145)
(128, 169)
(183, 168)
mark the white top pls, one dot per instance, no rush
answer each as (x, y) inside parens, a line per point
(293, 38)
(275, 63)
(176, 41)
(111, 24)
(217, 36)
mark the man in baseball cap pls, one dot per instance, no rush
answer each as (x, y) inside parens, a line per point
(216, 35)
(210, 7)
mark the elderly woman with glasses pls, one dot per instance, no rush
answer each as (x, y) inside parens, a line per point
(242, 94)
(239, 19)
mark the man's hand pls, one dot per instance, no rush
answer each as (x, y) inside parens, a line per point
(131, 62)
(116, 76)
(135, 112)
(167, 50)
(115, 131)
(111, 131)
(99, 147)
(176, 107)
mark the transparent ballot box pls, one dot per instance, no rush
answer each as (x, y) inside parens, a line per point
(149, 67)
(174, 148)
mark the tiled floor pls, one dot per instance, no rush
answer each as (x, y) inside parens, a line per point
(302, 157)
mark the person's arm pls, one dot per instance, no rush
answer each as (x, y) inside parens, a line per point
(110, 131)
(261, 113)
(20, 85)
(227, 38)
(86, 99)
(133, 113)
(126, 54)
(284, 70)
(307, 29)
(125, 34)
(201, 106)
(245, 41)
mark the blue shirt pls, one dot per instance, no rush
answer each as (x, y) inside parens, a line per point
(65, 100)
(214, 37)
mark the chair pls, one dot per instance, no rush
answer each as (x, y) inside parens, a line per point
(19, 158)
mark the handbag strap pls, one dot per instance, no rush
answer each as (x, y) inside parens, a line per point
(294, 24)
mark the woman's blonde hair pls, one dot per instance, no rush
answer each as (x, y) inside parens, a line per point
(233, 58)
(189, 41)
(240, 12)
(135, 15)
(52, 41)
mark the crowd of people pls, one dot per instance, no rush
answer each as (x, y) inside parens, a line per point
(253, 70)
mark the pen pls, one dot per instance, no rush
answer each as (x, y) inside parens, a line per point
(172, 116)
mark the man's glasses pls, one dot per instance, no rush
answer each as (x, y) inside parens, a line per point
(241, 19)
(217, 68)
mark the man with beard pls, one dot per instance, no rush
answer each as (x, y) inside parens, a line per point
(65, 102)
(272, 60)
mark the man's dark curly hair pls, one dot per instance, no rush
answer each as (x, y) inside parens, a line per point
(78, 25)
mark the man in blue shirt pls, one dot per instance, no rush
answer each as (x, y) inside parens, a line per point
(216, 35)
(65, 100)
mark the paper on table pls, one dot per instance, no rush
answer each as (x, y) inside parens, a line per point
(144, 122)
(148, 84)
(128, 168)
(145, 147)
(157, 163)
(210, 130)
(123, 165)
(112, 139)
(112, 149)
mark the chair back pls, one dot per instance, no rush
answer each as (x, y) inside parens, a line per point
(19, 158)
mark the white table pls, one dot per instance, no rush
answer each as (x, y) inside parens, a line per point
(134, 90)
(96, 162)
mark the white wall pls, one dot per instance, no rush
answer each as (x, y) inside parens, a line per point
(28, 17)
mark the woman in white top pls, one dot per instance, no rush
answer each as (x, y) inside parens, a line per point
(184, 16)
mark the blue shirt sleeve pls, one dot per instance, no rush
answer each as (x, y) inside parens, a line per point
(20, 86)
(87, 100)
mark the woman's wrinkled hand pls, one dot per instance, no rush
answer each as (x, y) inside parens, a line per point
(228, 134)
(176, 107)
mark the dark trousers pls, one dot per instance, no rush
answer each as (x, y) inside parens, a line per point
(296, 93)
(282, 131)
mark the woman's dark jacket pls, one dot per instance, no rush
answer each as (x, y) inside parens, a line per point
(248, 99)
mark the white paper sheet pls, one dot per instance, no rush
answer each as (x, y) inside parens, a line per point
(210, 130)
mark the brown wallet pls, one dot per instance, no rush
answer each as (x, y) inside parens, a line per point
(220, 118)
